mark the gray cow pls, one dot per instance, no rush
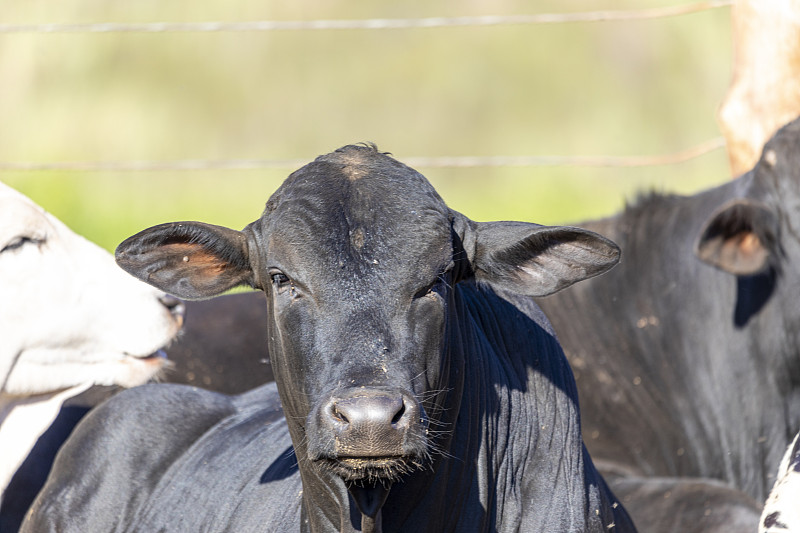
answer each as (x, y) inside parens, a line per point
(417, 386)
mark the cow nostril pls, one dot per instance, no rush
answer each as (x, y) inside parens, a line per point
(338, 415)
(399, 415)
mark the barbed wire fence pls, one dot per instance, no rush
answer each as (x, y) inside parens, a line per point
(370, 24)
(703, 148)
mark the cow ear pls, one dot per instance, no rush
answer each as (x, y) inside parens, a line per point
(191, 260)
(741, 238)
(538, 260)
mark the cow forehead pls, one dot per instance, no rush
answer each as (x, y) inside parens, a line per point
(358, 208)
(360, 181)
(19, 216)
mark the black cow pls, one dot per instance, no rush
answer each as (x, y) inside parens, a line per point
(691, 367)
(418, 387)
(688, 370)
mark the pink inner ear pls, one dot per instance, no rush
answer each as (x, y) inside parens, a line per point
(196, 257)
(740, 254)
(744, 253)
(740, 238)
(750, 244)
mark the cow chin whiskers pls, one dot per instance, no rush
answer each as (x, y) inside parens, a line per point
(371, 471)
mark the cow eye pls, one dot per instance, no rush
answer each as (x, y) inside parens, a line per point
(19, 242)
(279, 278)
(281, 282)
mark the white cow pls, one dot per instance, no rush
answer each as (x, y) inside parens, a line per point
(69, 318)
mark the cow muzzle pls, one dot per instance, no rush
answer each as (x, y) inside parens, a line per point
(370, 435)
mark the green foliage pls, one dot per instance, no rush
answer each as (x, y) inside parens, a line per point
(616, 88)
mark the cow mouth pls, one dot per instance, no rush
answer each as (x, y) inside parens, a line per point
(369, 471)
(159, 356)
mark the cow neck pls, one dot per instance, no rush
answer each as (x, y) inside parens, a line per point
(517, 416)
(23, 419)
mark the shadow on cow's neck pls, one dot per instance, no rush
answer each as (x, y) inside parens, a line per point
(752, 294)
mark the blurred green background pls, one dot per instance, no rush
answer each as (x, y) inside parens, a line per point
(613, 88)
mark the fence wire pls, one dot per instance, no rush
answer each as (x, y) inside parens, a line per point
(421, 162)
(367, 24)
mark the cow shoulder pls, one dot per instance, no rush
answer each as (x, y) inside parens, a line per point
(240, 474)
(121, 449)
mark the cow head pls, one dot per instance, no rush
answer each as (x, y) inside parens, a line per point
(748, 236)
(359, 258)
(68, 314)
(756, 236)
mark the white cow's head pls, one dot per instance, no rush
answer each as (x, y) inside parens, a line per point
(68, 314)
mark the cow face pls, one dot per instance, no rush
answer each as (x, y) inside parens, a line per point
(68, 314)
(360, 259)
(756, 233)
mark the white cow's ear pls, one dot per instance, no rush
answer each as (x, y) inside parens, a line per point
(190, 260)
(538, 260)
(741, 238)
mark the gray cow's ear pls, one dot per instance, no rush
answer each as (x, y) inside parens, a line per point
(538, 260)
(741, 238)
(191, 260)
